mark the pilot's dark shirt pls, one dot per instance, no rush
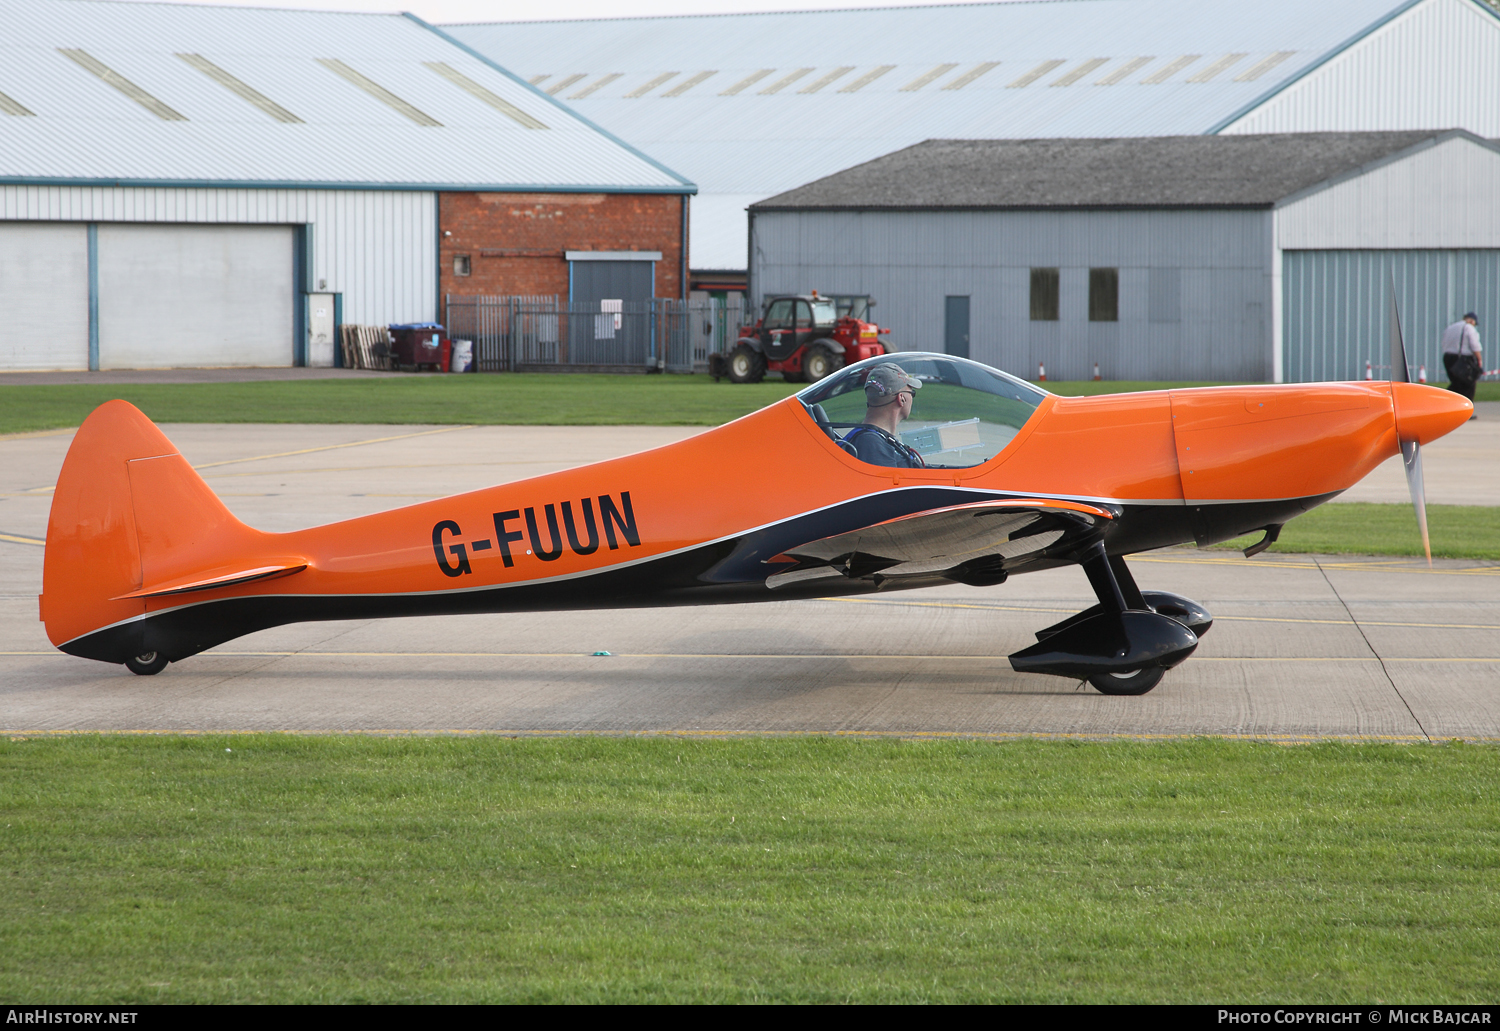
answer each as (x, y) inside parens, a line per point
(874, 445)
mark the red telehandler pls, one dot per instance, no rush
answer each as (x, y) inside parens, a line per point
(804, 338)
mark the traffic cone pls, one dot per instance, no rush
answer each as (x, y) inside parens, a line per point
(1421, 374)
(1369, 372)
(1041, 373)
(1096, 372)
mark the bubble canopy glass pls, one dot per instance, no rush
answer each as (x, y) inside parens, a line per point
(963, 415)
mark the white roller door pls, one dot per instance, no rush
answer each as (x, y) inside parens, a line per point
(44, 296)
(194, 296)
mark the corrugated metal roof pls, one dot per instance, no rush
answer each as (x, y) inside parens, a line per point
(1130, 172)
(757, 142)
(146, 93)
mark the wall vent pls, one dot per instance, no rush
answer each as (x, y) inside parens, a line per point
(785, 81)
(1163, 74)
(687, 84)
(477, 91)
(926, 77)
(1125, 71)
(595, 86)
(113, 78)
(10, 107)
(240, 89)
(837, 73)
(1207, 74)
(1079, 72)
(867, 78)
(641, 91)
(747, 82)
(972, 74)
(1264, 65)
(1035, 74)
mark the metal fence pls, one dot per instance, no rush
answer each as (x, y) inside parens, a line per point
(541, 334)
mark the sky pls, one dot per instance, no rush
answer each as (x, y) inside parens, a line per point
(439, 11)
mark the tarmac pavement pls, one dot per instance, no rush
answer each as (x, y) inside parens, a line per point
(1304, 647)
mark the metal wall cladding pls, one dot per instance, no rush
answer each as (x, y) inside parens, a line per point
(1337, 308)
(1436, 65)
(377, 248)
(1216, 261)
(1445, 196)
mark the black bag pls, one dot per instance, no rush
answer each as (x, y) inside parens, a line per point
(1465, 368)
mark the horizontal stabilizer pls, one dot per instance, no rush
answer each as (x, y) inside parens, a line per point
(208, 581)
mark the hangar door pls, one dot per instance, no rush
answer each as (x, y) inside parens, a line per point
(186, 295)
(1336, 305)
(44, 295)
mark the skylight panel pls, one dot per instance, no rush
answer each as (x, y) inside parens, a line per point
(113, 78)
(972, 74)
(1125, 70)
(785, 81)
(537, 80)
(867, 78)
(641, 91)
(926, 77)
(378, 91)
(747, 82)
(1077, 73)
(477, 91)
(1207, 74)
(837, 73)
(1035, 74)
(240, 89)
(11, 107)
(687, 84)
(595, 86)
(1260, 68)
(1163, 74)
(563, 83)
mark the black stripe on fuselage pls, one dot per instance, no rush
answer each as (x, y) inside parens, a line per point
(728, 571)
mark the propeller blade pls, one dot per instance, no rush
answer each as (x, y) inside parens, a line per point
(1411, 457)
(1400, 372)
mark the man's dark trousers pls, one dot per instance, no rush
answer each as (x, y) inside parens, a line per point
(1464, 387)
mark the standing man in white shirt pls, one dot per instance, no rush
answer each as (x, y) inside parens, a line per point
(1460, 342)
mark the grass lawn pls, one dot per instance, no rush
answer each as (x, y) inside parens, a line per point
(1362, 528)
(344, 869)
(517, 400)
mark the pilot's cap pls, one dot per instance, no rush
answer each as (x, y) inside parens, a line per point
(887, 380)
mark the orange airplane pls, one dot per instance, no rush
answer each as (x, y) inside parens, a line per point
(902, 471)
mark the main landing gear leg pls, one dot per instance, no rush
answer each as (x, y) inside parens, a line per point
(1124, 644)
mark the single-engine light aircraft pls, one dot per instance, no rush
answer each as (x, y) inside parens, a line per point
(902, 471)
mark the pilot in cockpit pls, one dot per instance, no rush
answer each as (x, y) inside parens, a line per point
(889, 395)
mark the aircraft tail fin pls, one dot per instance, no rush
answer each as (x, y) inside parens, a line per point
(131, 524)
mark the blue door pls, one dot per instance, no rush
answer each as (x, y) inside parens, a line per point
(956, 327)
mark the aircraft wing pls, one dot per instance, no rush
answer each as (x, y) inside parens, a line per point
(972, 543)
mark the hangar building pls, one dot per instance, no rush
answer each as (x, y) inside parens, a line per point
(753, 105)
(186, 185)
(1245, 257)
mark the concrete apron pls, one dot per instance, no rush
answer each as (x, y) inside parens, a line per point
(1305, 647)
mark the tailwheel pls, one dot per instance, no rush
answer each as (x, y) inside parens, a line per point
(1137, 681)
(147, 665)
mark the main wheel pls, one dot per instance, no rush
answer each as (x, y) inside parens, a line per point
(1135, 682)
(818, 363)
(147, 665)
(746, 365)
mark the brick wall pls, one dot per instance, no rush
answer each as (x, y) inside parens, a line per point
(515, 241)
